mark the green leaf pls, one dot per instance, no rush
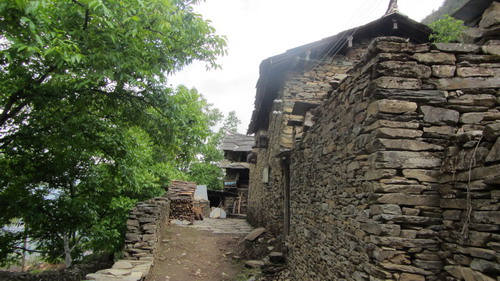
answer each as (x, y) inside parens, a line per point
(95, 128)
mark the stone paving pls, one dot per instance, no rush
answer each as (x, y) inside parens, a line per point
(124, 270)
(233, 226)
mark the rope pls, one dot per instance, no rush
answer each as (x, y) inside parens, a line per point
(468, 214)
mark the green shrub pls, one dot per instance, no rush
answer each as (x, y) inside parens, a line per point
(446, 30)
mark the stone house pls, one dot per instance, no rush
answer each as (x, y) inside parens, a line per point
(378, 154)
(290, 87)
(233, 198)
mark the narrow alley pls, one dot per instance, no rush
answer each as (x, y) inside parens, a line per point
(207, 250)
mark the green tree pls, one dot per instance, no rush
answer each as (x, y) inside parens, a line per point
(231, 123)
(74, 192)
(87, 126)
(446, 29)
(205, 170)
(447, 8)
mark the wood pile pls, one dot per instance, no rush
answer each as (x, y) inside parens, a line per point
(181, 195)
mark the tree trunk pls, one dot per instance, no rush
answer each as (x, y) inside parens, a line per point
(25, 246)
(67, 251)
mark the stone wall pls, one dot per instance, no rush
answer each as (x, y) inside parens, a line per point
(265, 199)
(144, 229)
(402, 156)
(469, 199)
(204, 206)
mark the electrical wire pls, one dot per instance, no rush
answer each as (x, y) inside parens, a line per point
(363, 11)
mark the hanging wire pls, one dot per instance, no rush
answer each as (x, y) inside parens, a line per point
(356, 21)
(363, 12)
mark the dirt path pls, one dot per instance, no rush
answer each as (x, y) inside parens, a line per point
(189, 253)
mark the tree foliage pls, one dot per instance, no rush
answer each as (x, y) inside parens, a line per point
(87, 126)
(447, 8)
(205, 171)
(446, 30)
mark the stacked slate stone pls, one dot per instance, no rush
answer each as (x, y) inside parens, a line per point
(265, 203)
(203, 206)
(399, 177)
(181, 195)
(144, 226)
(488, 27)
(470, 199)
(144, 229)
(439, 160)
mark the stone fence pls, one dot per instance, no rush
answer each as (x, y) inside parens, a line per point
(144, 229)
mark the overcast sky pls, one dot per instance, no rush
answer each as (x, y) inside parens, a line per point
(258, 29)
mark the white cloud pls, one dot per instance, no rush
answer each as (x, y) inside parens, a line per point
(258, 29)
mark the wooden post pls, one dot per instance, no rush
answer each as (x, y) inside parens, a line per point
(239, 202)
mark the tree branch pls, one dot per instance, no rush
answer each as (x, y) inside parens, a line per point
(7, 111)
(154, 31)
(130, 97)
(87, 19)
(78, 3)
(76, 243)
(29, 250)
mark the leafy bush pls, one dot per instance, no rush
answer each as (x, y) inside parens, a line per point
(446, 30)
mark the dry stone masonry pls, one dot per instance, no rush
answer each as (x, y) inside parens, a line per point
(399, 178)
(387, 168)
(265, 197)
(144, 228)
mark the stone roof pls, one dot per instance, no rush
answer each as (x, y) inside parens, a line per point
(272, 69)
(234, 165)
(237, 143)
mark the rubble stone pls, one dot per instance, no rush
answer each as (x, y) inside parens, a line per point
(435, 58)
(436, 115)
(255, 234)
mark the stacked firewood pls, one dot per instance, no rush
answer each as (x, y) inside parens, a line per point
(181, 195)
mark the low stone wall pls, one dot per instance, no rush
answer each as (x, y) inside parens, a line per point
(144, 229)
(203, 206)
(398, 179)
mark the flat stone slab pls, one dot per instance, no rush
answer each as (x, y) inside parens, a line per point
(255, 234)
(228, 226)
(116, 272)
(123, 270)
(254, 264)
(123, 264)
(103, 277)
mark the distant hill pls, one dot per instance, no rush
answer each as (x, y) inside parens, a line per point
(448, 7)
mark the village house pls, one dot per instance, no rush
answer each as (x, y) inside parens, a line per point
(290, 87)
(377, 154)
(233, 198)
